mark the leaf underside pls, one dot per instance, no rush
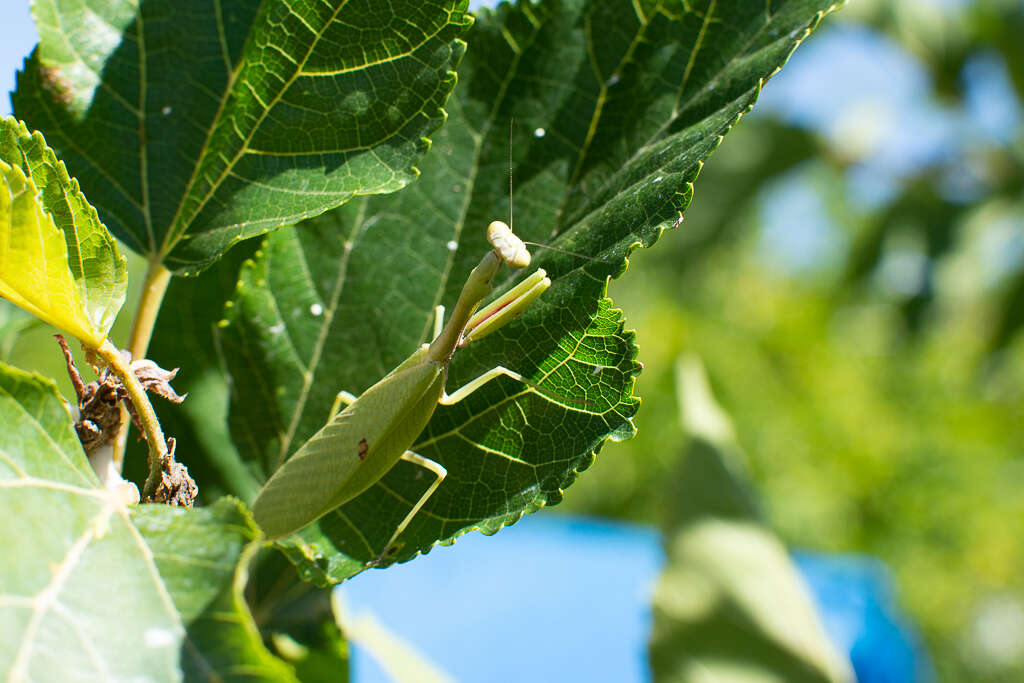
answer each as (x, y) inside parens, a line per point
(194, 125)
(616, 106)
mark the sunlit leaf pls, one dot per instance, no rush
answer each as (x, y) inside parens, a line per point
(57, 261)
(72, 562)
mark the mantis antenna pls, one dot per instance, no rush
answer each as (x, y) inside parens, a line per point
(511, 225)
(568, 253)
(511, 123)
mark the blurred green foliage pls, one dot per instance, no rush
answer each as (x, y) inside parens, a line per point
(879, 390)
(730, 605)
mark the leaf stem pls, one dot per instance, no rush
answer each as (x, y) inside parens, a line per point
(150, 425)
(153, 290)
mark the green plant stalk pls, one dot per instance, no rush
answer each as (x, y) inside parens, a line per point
(150, 425)
(153, 289)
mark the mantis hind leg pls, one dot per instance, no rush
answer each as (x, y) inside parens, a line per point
(439, 472)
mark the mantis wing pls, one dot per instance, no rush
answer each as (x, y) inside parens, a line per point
(352, 451)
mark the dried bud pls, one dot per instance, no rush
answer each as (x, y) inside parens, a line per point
(176, 487)
(98, 421)
(99, 417)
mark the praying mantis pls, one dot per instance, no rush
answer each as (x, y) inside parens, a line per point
(360, 444)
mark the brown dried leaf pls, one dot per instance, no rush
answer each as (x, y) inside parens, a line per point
(156, 380)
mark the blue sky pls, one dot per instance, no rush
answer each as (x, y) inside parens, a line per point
(18, 36)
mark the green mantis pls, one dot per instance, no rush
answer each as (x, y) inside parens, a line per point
(361, 443)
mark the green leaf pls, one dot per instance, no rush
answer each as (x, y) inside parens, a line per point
(194, 126)
(296, 618)
(224, 643)
(204, 560)
(72, 562)
(196, 550)
(711, 621)
(57, 261)
(76, 560)
(609, 135)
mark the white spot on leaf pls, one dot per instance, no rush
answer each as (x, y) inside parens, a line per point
(316, 309)
(158, 637)
(452, 245)
(539, 133)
